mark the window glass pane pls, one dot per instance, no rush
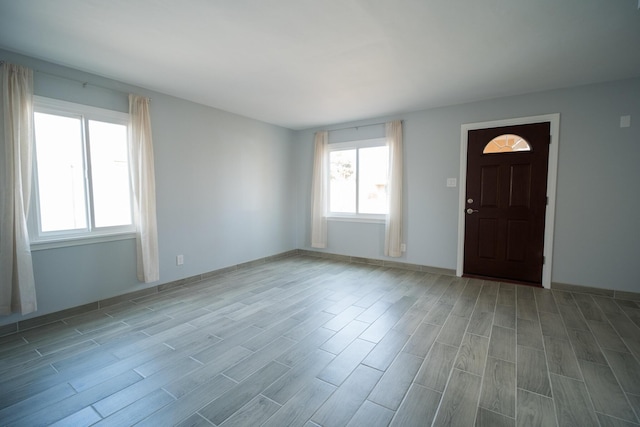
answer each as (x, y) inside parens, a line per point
(507, 143)
(342, 181)
(374, 169)
(59, 158)
(109, 174)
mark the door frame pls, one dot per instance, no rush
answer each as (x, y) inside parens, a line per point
(552, 178)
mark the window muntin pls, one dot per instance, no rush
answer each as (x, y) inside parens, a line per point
(81, 172)
(358, 177)
(506, 143)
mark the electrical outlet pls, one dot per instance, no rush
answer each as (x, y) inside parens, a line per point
(403, 247)
(179, 259)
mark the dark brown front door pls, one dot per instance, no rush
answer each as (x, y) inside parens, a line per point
(506, 201)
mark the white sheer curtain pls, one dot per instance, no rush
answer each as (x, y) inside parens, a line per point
(393, 229)
(319, 191)
(144, 189)
(17, 285)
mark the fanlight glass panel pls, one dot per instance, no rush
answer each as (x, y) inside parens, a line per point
(507, 143)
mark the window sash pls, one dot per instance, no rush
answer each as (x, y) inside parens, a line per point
(85, 114)
(47, 199)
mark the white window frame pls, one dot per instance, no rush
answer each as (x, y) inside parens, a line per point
(350, 145)
(90, 234)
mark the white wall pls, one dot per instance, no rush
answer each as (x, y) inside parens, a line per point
(225, 192)
(597, 235)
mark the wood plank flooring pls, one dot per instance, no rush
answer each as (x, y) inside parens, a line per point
(307, 341)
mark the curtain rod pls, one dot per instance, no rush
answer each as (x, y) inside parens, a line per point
(361, 126)
(84, 83)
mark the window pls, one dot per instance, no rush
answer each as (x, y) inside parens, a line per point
(507, 143)
(81, 172)
(358, 176)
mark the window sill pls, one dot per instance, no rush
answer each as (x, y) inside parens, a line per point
(79, 240)
(364, 219)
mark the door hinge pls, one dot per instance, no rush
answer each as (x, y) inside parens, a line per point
(547, 200)
(544, 260)
(550, 136)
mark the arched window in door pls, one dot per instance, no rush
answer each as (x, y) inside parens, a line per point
(506, 143)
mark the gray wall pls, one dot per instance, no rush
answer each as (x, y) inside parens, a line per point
(231, 189)
(225, 192)
(597, 233)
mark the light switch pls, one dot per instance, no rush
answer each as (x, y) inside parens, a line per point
(451, 182)
(625, 121)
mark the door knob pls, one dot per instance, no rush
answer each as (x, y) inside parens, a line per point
(470, 211)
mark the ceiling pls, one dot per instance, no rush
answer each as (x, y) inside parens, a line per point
(308, 63)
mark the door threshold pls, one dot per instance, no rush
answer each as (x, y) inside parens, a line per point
(502, 280)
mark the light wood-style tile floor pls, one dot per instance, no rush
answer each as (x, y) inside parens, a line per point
(313, 342)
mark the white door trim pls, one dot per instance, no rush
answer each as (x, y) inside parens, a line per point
(552, 177)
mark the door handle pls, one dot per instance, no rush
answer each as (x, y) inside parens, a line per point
(470, 211)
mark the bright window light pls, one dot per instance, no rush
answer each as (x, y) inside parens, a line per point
(342, 187)
(358, 177)
(82, 185)
(59, 156)
(109, 174)
(373, 177)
